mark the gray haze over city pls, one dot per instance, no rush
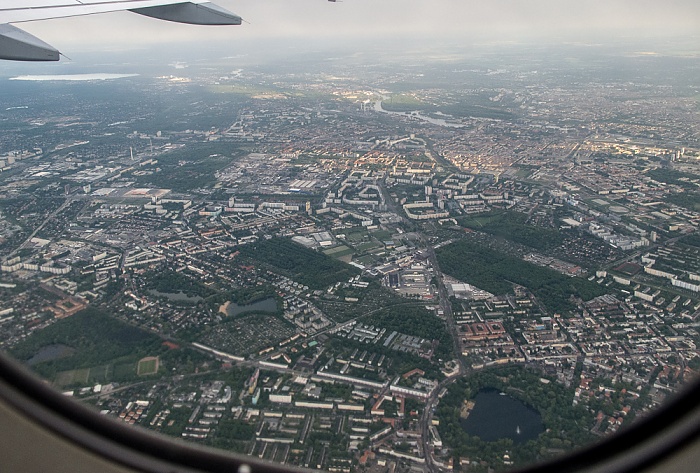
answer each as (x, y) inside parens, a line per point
(408, 22)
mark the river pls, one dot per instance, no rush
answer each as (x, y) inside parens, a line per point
(417, 115)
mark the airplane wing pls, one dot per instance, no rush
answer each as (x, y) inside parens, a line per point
(16, 44)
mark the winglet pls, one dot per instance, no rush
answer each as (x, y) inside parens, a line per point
(195, 14)
(18, 45)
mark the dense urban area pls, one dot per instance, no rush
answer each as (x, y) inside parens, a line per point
(341, 263)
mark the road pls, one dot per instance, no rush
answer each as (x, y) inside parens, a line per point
(446, 306)
(431, 402)
(426, 421)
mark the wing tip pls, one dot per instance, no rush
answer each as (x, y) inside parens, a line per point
(206, 13)
(18, 45)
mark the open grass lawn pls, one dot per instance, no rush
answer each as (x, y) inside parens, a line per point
(70, 377)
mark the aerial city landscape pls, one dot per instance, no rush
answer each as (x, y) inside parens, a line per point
(360, 262)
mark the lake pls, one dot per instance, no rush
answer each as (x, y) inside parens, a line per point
(175, 296)
(73, 77)
(265, 305)
(496, 416)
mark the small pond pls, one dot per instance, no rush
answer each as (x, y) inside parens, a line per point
(175, 296)
(265, 305)
(51, 353)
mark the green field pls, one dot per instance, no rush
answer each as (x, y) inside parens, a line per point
(369, 246)
(382, 235)
(338, 251)
(123, 370)
(72, 377)
(148, 366)
(95, 375)
(356, 236)
(367, 260)
(404, 103)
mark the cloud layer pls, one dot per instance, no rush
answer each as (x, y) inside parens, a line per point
(378, 20)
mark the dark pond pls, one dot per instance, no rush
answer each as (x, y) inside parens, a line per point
(50, 353)
(265, 305)
(496, 416)
(175, 296)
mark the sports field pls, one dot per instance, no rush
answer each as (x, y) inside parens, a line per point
(70, 377)
(148, 365)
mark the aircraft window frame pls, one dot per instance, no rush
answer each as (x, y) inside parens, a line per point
(645, 443)
(641, 445)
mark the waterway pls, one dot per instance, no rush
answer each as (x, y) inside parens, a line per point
(72, 77)
(496, 416)
(175, 296)
(51, 353)
(265, 305)
(417, 115)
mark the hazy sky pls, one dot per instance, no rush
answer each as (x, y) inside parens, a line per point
(471, 20)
